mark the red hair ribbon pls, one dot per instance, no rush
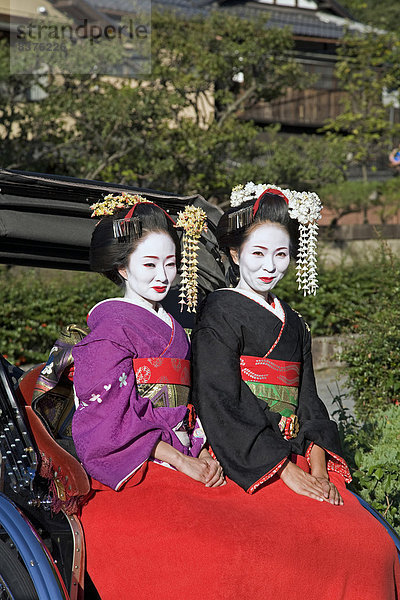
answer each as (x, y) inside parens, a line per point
(131, 211)
(268, 191)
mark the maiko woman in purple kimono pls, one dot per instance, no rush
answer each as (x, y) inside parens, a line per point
(301, 532)
(131, 382)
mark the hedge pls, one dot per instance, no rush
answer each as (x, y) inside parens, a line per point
(36, 303)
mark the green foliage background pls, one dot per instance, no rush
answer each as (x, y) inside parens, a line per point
(379, 13)
(371, 438)
(36, 304)
(372, 450)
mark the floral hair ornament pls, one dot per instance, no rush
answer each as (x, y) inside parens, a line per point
(193, 221)
(129, 227)
(306, 208)
(111, 204)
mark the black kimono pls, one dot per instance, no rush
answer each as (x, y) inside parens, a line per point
(241, 427)
(254, 390)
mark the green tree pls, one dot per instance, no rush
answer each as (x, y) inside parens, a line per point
(373, 359)
(17, 116)
(388, 198)
(347, 197)
(224, 62)
(179, 129)
(208, 72)
(306, 161)
(367, 66)
(40, 109)
(378, 13)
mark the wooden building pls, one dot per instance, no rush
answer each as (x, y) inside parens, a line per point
(317, 28)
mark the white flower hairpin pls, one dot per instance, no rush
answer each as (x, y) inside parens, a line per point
(306, 208)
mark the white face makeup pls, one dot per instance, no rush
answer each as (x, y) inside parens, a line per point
(151, 268)
(263, 259)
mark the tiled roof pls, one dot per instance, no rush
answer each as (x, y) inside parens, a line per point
(301, 22)
(117, 5)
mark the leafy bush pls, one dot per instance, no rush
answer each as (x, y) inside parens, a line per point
(378, 473)
(345, 296)
(373, 359)
(373, 452)
(373, 362)
(36, 304)
(372, 446)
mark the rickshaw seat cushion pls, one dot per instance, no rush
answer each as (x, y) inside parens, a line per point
(27, 382)
(56, 462)
(53, 411)
(67, 472)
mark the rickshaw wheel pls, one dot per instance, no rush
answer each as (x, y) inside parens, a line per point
(15, 583)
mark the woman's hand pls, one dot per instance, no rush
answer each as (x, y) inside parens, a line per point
(216, 473)
(204, 469)
(331, 493)
(318, 470)
(301, 482)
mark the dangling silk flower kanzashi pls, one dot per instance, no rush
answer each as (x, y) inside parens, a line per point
(193, 221)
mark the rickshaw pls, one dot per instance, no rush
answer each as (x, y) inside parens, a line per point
(44, 221)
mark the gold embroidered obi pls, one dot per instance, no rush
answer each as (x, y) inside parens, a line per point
(276, 383)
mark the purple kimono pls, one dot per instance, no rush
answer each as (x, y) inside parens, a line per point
(114, 427)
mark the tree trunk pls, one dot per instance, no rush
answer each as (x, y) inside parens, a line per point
(365, 180)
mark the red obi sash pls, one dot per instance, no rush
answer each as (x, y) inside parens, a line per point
(162, 370)
(268, 370)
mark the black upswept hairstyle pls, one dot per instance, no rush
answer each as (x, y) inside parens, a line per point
(272, 209)
(108, 254)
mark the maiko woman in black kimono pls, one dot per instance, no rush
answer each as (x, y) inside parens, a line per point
(298, 531)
